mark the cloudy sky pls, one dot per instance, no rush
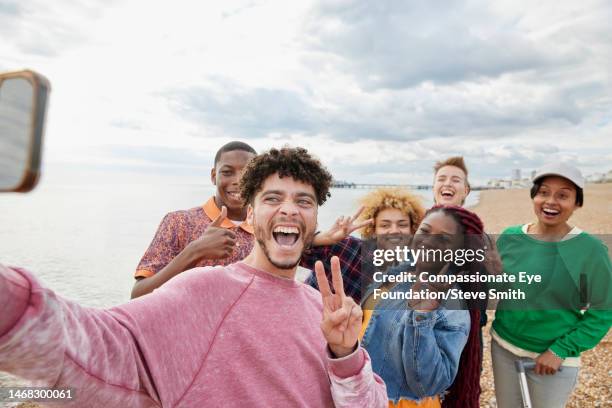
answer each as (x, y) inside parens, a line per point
(379, 90)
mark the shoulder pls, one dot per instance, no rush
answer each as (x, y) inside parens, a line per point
(219, 281)
(190, 216)
(593, 241)
(513, 234)
(514, 229)
(590, 248)
(174, 216)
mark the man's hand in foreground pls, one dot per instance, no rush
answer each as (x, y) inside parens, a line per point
(341, 322)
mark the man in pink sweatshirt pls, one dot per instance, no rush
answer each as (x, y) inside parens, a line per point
(247, 334)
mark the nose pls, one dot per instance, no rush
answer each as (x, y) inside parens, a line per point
(394, 229)
(550, 199)
(431, 241)
(288, 208)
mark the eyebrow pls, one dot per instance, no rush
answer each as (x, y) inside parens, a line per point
(282, 192)
(562, 188)
(305, 194)
(388, 220)
(444, 232)
(279, 192)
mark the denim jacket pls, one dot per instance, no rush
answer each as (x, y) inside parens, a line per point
(416, 353)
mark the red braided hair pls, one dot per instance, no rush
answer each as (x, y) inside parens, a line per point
(465, 390)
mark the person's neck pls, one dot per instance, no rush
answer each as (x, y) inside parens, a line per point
(234, 215)
(549, 232)
(258, 260)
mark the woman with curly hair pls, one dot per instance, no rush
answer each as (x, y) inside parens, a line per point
(388, 218)
(395, 213)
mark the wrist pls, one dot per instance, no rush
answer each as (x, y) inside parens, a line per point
(191, 254)
(341, 351)
(551, 351)
(321, 239)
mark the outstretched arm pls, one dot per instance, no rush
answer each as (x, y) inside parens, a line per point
(353, 384)
(56, 343)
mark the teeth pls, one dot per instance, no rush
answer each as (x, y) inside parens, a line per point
(287, 230)
(551, 212)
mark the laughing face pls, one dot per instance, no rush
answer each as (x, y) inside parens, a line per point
(284, 217)
(450, 186)
(392, 228)
(226, 176)
(437, 231)
(555, 201)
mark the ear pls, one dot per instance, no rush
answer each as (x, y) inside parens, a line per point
(213, 176)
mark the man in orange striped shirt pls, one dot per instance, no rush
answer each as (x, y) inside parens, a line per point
(215, 233)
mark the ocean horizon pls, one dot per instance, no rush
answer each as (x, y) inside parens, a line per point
(85, 241)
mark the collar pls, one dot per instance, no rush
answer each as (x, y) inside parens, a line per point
(212, 211)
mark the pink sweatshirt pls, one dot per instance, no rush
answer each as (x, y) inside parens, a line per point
(210, 337)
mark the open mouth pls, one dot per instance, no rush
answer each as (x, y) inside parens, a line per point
(286, 236)
(549, 212)
(447, 193)
(235, 195)
(395, 239)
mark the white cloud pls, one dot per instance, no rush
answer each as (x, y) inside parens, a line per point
(379, 90)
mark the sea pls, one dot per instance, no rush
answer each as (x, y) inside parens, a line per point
(85, 241)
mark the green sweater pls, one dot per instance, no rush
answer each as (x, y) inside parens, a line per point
(576, 274)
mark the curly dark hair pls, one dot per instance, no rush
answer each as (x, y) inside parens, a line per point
(294, 162)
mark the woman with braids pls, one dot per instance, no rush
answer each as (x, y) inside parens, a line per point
(423, 347)
(566, 314)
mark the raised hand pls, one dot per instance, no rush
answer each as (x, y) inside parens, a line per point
(216, 242)
(341, 229)
(341, 321)
(427, 305)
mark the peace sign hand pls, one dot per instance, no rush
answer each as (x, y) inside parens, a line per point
(342, 228)
(341, 322)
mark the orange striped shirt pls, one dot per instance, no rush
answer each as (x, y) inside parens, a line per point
(179, 228)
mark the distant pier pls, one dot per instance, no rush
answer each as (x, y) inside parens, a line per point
(348, 184)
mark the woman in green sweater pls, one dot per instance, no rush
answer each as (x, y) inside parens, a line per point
(567, 302)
